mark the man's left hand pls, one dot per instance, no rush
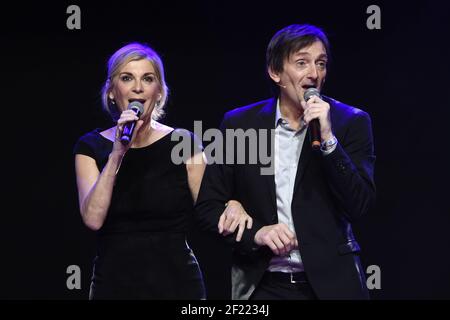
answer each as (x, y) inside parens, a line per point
(316, 108)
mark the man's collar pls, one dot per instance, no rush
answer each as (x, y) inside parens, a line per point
(279, 117)
(277, 113)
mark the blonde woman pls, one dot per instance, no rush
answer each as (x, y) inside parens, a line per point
(133, 195)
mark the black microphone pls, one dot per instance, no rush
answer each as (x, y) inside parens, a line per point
(314, 124)
(128, 128)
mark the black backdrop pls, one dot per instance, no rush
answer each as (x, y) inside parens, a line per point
(214, 59)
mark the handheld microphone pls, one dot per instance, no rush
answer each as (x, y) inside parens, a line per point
(128, 128)
(314, 124)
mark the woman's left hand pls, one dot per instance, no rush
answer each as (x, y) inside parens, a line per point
(232, 217)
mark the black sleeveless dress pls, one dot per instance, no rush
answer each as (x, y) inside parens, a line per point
(142, 251)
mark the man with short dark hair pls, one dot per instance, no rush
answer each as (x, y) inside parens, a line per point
(301, 244)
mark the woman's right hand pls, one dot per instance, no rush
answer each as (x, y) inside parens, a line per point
(125, 117)
(234, 216)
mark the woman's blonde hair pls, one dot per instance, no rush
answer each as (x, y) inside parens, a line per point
(133, 52)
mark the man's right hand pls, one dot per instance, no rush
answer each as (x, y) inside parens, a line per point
(278, 238)
(232, 217)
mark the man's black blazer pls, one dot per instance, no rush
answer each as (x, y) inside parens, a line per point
(330, 192)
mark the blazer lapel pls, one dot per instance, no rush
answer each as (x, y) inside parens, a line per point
(267, 121)
(305, 156)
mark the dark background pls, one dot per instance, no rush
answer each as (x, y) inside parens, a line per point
(214, 58)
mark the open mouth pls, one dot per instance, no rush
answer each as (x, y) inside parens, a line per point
(138, 100)
(306, 87)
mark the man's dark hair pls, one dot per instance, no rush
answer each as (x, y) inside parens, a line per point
(291, 39)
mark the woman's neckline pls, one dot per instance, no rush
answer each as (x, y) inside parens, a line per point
(137, 148)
